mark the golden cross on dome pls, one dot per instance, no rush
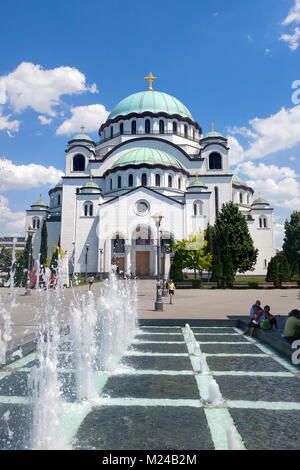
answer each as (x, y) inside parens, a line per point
(91, 177)
(197, 175)
(82, 128)
(150, 78)
(212, 125)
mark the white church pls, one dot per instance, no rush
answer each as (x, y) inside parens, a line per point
(152, 161)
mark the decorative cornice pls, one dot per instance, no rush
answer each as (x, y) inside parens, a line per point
(138, 139)
(215, 143)
(145, 165)
(83, 146)
(146, 188)
(247, 188)
(149, 114)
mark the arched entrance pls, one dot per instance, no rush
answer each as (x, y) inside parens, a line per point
(143, 247)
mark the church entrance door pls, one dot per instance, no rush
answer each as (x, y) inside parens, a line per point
(143, 263)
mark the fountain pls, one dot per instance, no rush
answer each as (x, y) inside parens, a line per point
(233, 438)
(214, 395)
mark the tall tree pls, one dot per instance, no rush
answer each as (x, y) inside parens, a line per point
(5, 259)
(232, 239)
(27, 258)
(44, 245)
(291, 243)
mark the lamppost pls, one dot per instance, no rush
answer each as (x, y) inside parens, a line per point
(166, 250)
(86, 259)
(100, 262)
(30, 233)
(158, 303)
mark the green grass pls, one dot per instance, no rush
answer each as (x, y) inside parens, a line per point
(259, 280)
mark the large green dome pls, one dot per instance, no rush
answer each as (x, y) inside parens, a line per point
(152, 101)
(147, 156)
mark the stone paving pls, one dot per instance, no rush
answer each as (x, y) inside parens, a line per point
(157, 401)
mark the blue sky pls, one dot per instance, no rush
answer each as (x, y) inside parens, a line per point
(230, 62)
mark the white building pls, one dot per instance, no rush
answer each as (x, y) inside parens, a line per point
(147, 163)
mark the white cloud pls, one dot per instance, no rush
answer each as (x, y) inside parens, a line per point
(263, 171)
(292, 159)
(279, 234)
(293, 39)
(44, 120)
(5, 123)
(293, 17)
(30, 86)
(243, 131)
(279, 185)
(91, 117)
(13, 223)
(26, 176)
(294, 14)
(280, 131)
(236, 152)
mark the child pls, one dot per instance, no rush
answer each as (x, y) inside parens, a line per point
(254, 324)
(171, 288)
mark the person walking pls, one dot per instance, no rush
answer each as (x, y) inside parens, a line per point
(171, 289)
(90, 281)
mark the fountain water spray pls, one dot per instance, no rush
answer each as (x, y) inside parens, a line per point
(83, 316)
(233, 438)
(214, 395)
(7, 303)
(117, 321)
(43, 381)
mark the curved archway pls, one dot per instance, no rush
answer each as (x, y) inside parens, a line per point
(79, 162)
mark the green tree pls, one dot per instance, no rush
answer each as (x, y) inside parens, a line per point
(44, 245)
(272, 272)
(232, 238)
(291, 242)
(228, 275)
(217, 270)
(27, 258)
(5, 259)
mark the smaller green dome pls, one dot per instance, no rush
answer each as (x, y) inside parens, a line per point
(213, 134)
(239, 181)
(91, 184)
(197, 183)
(149, 156)
(260, 201)
(82, 137)
(39, 202)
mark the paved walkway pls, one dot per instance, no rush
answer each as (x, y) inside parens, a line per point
(188, 303)
(214, 303)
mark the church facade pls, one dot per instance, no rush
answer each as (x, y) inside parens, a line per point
(152, 161)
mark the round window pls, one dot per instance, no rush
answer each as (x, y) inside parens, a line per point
(142, 207)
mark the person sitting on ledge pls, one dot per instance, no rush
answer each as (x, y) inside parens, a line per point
(292, 326)
(251, 311)
(255, 323)
(269, 318)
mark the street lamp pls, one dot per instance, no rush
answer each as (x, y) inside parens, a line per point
(100, 261)
(158, 303)
(30, 233)
(86, 259)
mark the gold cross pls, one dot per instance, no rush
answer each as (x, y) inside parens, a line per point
(150, 78)
(212, 125)
(91, 177)
(82, 128)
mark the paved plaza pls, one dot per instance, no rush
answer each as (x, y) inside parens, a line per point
(157, 400)
(188, 303)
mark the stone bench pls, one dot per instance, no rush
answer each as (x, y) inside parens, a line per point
(184, 285)
(266, 285)
(273, 337)
(289, 284)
